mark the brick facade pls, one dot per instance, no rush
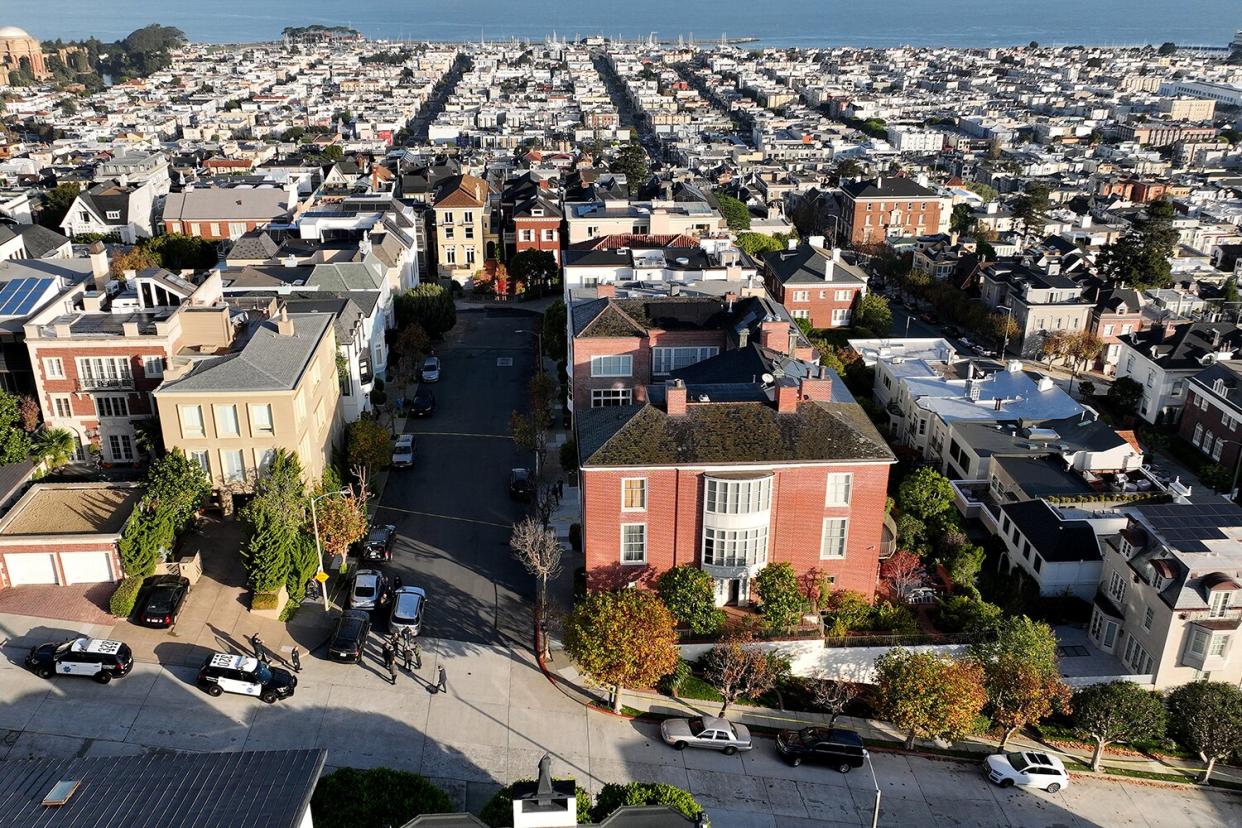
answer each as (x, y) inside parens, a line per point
(818, 303)
(871, 220)
(536, 227)
(1206, 411)
(639, 348)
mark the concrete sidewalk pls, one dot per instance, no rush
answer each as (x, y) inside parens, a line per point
(565, 675)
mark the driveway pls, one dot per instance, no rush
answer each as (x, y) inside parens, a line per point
(451, 509)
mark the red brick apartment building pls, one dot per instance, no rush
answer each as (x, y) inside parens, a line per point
(874, 210)
(1212, 417)
(730, 478)
(815, 284)
(529, 215)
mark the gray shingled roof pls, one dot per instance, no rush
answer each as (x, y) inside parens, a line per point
(247, 789)
(267, 362)
(808, 265)
(346, 276)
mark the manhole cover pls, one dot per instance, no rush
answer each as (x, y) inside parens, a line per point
(504, 362)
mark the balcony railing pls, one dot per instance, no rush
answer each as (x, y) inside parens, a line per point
(105, 383)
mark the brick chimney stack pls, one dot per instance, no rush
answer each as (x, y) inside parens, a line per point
(818, 387)
(608, 291)
(774, 335)
(787, 394)
(675, 398)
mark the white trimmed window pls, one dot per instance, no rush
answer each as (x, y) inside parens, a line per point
(633, 494)
(450, 254)
(153, 366)
(232, 466)
(1148, 617)
(548, 235)
(226, 421)
(1218, 448)
(840, 485)
(801, 296)
(53, 368)
(836, 532)
(191, 420)
(261, 419)
(112, 406)
(667, 360)
(1138, 659)
(1117, 587)
(1197, 439)
(737, 497)
(104, 372)
(842, 295)
(840, 316)
(616, 365)
(1218, 646)
(121, 447)
(203, 458)
(633, 543)
(800, 313)
(604, 397)
(735, 547)
(1218, 603)
(526, 235)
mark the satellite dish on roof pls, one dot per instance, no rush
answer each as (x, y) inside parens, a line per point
(768, 379)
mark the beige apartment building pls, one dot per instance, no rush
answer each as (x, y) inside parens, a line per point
(274, 385)
(462, 226)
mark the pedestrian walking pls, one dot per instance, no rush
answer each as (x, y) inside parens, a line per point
(407, 654)
(390, 661)
(442, 683)
(418, 654)
(560, 490)
(256, 643)
(296, 658)
(392, 671)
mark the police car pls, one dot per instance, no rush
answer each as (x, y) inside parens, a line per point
(227, 673)
(99, 658)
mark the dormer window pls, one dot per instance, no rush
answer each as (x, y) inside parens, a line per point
(538, 211)
(1218, 603)
(1219, 386)
(114, 215)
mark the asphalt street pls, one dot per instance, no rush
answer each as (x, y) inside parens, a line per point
(452, 509)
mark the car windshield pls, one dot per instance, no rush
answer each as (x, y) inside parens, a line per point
(1017, 760)
(263, 673)
(696, 726)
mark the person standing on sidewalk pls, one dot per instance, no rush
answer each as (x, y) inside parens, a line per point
(442, 682)
(296, 659)
(256, 644)
(390, 661)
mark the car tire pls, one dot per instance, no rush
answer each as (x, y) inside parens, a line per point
(845, 767)
(730, 750)
(213, 690)
(268, 698)
(1053, 788)
(43, 672)
(679, 745)
(1006, 783)
(794, 761)
(103, 677)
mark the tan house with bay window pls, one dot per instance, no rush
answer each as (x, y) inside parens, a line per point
(462, 224)
(276, 387)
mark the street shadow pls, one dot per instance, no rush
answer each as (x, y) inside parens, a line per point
(16, 645)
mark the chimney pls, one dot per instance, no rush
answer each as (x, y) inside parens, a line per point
(290, 261)
(787, 395)
(608, 291)
(99, 266)
(675, 398)
(817, 387)
(478, 194)
(815, 241)
(792, 244)
(879, 182)
(284, 325)
(364, 246)
(774, 335)
(730, 298)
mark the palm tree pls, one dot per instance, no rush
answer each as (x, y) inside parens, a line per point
(54, 446)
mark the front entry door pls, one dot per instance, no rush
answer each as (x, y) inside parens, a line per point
(735, 592)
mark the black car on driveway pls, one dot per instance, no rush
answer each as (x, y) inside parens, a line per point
(840, 749)
(350, 637)
(165, 595)
(423, 404)
(377, 545)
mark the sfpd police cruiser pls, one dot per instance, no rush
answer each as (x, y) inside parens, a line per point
(226, 673)
(98, 658)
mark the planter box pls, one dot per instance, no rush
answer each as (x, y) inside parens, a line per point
(282, 598)
(189, 567)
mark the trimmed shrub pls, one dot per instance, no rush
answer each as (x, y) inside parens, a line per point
(122, 602)
(613, 796)
(689, 593)
(671, 684)
(498, 812)
(375, 798)
(264, 601)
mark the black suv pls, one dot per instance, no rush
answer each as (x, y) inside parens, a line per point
(840, 749)
(377, 545)
(423, 404)
(101, 659)
(521, 487)
(350, 637)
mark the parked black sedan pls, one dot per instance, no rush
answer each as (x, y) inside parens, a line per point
(423, 404)
(350, 637)
(165, 595)
(521, 486)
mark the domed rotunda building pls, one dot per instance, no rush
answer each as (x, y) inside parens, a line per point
(18, 50)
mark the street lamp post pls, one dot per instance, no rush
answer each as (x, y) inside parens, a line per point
(321, 575)
(539, 344)
(1005, 334)
(875, 818)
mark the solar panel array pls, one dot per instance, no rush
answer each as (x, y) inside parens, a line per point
(1188, 526)
(18, 297)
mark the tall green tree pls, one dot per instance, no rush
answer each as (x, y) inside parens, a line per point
(925, 493)
(428, 305)
(56, 204)
(736, 213)
(874, 314)
(625, 638)
(1117, 711)
(14, 440)
(1206, 717)
(1141, 257)
(275, 521)
(631, 162)
(554, 333)
(780, 596)
(962, 219)
(1021, 674)
(689, 593)
(1031, 209)
(368, 444)
(536, 270)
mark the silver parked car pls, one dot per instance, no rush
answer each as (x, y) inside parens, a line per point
(371, 589)
(710, 732)
(407, 610)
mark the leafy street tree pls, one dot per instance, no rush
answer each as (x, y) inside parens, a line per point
(925, 493)
(275, 520)
(736, 213)
(615, 795)
(374, 798)
(28, 413)
(756, 244)
(874, 314)
(56, 204)
(1141, 257)
(780, 597)
(962, 220)
(412, 344)
(689, 593)
(536, 547)
(832, 697)
(429, 305)
(554, 340)
(14, 439)
(626, 638)
(737, 670)
(368, 444)
(902, 573)
(532, 430)
(1206, 717)
(965, 613)
(535, 270)
(1117, 711)
(1125, 394)
(136, 259)
(927, 696)
(342, 522)
(631, 162)
(177, 251)
(1021, 674)
(1167, 48)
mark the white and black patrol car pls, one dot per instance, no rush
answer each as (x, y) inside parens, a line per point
(99, 658)
(227, 673)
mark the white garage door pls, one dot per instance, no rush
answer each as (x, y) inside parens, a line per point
(30, 568)
(86, 567)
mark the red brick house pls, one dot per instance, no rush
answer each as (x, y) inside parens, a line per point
(731, 478)
(815, 284)
(874, 210)
(1117, 313)
(1212, 417)
(529, 215)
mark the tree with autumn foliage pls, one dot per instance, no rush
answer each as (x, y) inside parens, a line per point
(626, 638)
(1021, 674)
(737, 670)
(342, 522)
(927, 696)
(136, 259)
(368, 444)
(902, 573)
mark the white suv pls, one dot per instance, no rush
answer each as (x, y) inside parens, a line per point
(1035, 770)
(229, 673)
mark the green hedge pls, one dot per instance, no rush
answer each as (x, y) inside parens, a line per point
(264, 601)
(613, 796)
(498, 812)
(126, 595)
(375, 798)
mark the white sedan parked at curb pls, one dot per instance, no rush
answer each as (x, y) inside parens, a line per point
(1028, 768)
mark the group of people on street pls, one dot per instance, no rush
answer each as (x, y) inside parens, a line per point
(405, 643)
